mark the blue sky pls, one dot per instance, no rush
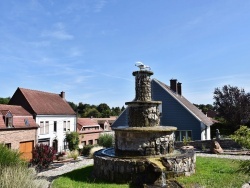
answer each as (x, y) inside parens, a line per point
(88, 48)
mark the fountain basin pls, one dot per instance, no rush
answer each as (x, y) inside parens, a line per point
(141, 170)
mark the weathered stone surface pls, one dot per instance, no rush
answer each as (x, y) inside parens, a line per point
(216, 148)
(141, 171)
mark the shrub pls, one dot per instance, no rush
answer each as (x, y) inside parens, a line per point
(106, 140)
(73, 154)
(73, 140)
(242, 136)
(186, 141)
(93, 150)
(21, 177)
(43, 156)
(86, 149)
(9, 157)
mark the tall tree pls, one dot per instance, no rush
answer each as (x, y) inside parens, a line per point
(233, 104)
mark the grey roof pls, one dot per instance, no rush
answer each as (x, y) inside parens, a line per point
(185, 103)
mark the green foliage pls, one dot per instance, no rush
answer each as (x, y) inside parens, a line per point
(101, 110)
(233, 104)
(21, 177)
(242, 136)
(43, 156)
(92, 112)
(4, 100)
(106, 140)
(211, 171)
(186, 140)
(204, 108)
(244, 167)
(73, 140)
(9, 157)
(86, 149)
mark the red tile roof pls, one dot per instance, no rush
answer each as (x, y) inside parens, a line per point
(86, 121)
(20, 116)
(45, 103)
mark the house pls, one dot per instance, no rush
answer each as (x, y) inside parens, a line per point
(89, 131)
(176, 111)
(18, 129)
(106, 124)
(51, 112)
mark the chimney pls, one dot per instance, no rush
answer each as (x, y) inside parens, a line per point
(173, 85)
(179, 88)
(62, 94)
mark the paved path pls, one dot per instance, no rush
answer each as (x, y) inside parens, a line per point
(62, 168)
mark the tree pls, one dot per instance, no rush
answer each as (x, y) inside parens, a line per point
(105, 140)
(73, 140)
(233, 105)
(204, 108)
(92, 112)
(73, 106)
(104, 109)
(4, 100)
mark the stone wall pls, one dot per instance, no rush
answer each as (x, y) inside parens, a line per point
(139, 171)
(206, 144)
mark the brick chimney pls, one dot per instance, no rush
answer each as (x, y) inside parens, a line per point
(62, 94)
(173, 85)
(179, 88)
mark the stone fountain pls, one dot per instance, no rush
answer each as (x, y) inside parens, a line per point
(144, 151)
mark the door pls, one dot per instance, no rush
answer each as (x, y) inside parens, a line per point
(26, 149)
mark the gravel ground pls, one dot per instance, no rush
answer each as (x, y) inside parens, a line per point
(59, 169)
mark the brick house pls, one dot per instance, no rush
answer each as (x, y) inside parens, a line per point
(89, 131)
(51, 112)
(18, 129)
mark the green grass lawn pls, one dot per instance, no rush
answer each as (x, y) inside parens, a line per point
(210, 173)
(215, 173)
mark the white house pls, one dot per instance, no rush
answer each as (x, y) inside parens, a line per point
(51, 112)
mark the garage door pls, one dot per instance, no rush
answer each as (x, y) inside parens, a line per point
(26, 149)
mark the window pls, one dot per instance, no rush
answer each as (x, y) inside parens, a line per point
(83, 143)
(180, 135)
(65, 144)
(46, 127)
(96, 141)
(64, 125)
(9, 120)
(8, 145)
(42, 127)
(55, 126)
(90, 142)
(68, 126)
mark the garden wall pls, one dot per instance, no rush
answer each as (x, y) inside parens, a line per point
(228, 144)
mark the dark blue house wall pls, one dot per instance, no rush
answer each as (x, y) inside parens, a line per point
(174, 114)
